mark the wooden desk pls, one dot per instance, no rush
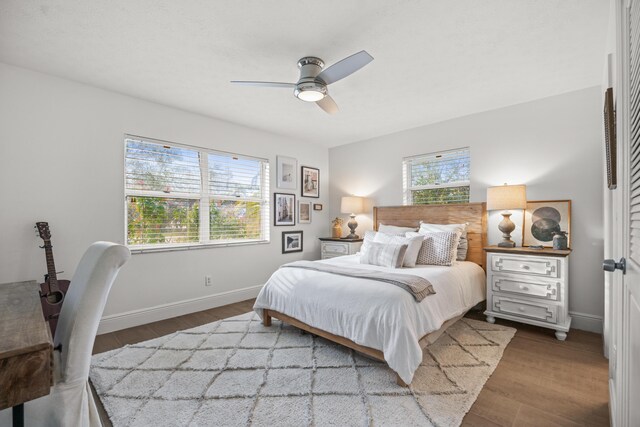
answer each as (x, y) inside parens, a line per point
(26, 348)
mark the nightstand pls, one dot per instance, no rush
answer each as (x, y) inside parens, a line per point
(331, 247)
(529, 286)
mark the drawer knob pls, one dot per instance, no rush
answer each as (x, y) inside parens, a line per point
(524, 266)
(524, 288)
(521, 309)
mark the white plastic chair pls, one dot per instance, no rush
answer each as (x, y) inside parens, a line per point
(70, 403)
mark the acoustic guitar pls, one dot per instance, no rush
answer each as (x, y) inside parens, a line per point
(52, 291)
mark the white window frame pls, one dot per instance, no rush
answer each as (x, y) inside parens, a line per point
(204, 199)
(407, 189)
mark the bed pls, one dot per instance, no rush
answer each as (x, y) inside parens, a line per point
(381, 321)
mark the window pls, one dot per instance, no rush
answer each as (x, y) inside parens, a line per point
(185, 196)
(437, 178)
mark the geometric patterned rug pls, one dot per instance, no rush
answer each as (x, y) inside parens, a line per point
(236, 372)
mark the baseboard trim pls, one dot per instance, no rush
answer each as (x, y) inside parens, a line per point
(129, 319)
(586, 322)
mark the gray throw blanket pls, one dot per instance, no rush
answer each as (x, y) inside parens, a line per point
(417, 286)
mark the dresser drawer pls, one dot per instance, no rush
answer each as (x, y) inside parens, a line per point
(335, 249)
(535, 266)
(527, 287)
(522, 308)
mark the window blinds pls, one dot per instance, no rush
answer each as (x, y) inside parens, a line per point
(178, 195)
(161, 168)
(442, 177)
(234, 177)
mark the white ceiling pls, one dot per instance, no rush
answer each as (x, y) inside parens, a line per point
(434, 60)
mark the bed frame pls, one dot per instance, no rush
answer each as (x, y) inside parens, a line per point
(475, 214)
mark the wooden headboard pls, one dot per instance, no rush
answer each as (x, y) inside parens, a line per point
(410, 216)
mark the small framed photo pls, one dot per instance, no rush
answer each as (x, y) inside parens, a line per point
(304, 212)
(291, 241)
(284, 212)
(310, 182)
(543, 218)
(286, 170)
(317, 206)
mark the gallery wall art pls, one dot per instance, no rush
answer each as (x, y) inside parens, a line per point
(284, 209)
(310, 182)
(286, 172)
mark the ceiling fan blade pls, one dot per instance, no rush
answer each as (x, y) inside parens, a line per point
(264, 84)
(328, 104)
(345, 67)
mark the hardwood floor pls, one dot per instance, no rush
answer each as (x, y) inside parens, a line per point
(117, 339)
(540, 381)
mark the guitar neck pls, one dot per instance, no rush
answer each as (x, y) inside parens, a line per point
(51, 267)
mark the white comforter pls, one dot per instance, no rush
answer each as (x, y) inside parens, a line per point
(372, 313)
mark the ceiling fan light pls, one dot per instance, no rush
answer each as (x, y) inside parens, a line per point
(310, 91)
(310, 95)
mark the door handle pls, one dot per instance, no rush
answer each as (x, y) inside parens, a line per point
(612, 265)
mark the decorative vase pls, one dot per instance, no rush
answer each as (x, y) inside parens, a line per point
(560, 241)
(336, 232)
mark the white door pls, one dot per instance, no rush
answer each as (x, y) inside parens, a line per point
(625, 314)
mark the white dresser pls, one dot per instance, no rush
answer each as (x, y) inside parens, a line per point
(529, 286)
(331, 248)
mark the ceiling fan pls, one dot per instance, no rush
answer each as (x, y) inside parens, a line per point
(313, 82)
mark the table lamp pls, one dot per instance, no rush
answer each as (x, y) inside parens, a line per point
(352, 205)
(503, 198)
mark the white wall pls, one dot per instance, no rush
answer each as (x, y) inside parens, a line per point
(552, 145)
(61, 161)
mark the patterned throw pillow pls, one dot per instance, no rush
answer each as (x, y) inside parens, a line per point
(463, 243)
(438, 248)
(384, 254)
(414, 243)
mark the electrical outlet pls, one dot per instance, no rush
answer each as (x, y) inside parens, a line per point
(208, 281)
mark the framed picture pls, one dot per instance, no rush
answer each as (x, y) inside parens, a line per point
(284, 209)
(610, 144)
(304, 212)
(286, 170)
(542, 218)
(317, 206)
(310, 182)
(291, 241)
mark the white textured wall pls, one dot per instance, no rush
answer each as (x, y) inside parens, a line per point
(61, 160)
(552, 145)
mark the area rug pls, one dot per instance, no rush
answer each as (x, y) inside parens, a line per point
(236, 372)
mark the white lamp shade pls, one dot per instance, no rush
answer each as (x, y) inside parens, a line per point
(505, 197)
(351, 205)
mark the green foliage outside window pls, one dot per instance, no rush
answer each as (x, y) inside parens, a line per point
(157, 220)
(230, 220)
(439, 178)
(441, 195)
(165, 195)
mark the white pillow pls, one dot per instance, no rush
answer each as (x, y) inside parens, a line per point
(438, 248)
(384, 254)
(369, 236)
(463, 243)
(414, 243)
(395, 230)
